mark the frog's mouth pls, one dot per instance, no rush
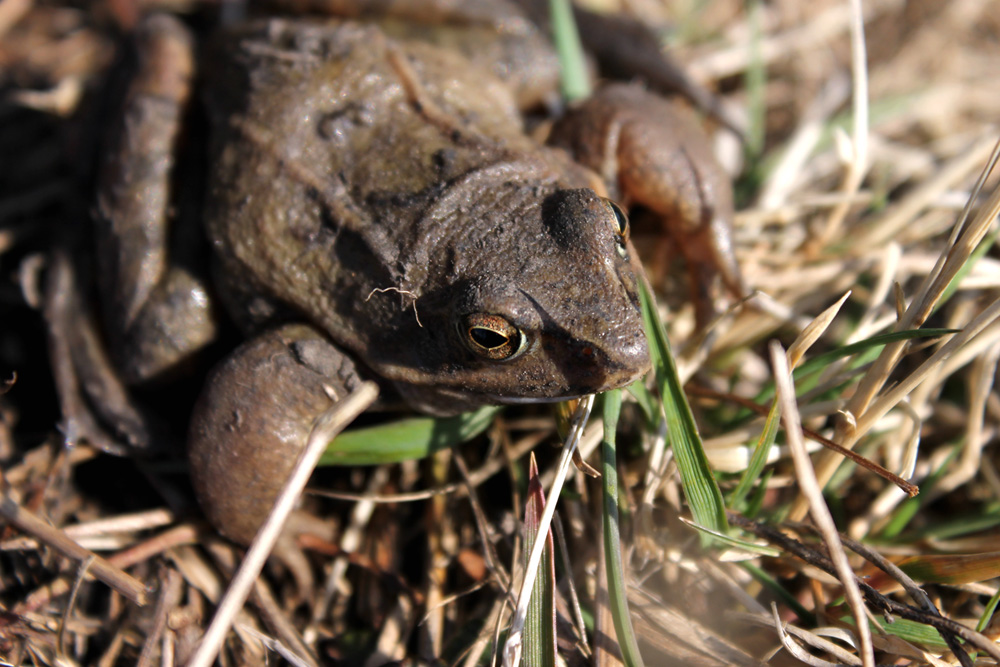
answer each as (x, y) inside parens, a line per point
(526, 400)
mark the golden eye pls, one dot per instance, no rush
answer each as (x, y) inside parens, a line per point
(619, 224)
(492, 336)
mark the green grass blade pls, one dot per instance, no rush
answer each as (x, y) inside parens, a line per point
(907, 630)
(759, 457)
(648, 403)
(617, 597)
(756, 83)
(574, 79)
(540, 626)
(821, 361)
(697, 479)
(748, 185)
(737, 543)
(756, 502)
(406, 439)
(987, 614)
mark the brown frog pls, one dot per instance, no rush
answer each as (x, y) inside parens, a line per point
(377, 195)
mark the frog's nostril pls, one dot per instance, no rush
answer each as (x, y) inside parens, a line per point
(631, 357)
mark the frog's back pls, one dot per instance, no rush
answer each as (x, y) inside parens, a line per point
(327, 130)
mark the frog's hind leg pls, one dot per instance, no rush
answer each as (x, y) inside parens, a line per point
(253, 419)
(653, 153)
(250, 424)
(157, 309)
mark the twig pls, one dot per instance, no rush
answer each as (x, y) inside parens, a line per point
(278, 647)
(170, 595)
(482, 526)
(279, 623)
(911, 588)
(182, 534)
(393, 581)
(574, 600)
(70, 604)
(124, 583)
(123, 523)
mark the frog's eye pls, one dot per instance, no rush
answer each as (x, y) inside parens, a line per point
(619, 222)
(492, 336)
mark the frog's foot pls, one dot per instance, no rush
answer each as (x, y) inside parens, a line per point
(653, 154)
(253, 419)
(157, 312)
(95, 404)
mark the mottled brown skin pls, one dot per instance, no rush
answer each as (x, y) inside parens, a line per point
(382, 181)
(382, 193)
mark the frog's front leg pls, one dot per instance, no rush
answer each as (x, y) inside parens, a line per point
(253, 418)
(157, 310)
(651, 152)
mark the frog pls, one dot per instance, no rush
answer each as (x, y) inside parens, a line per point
(374, 210)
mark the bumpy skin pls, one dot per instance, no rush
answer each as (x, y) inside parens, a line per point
(390, 175)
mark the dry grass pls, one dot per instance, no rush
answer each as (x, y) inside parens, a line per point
(891, 216)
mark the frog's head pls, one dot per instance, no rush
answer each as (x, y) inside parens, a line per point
(553, 311)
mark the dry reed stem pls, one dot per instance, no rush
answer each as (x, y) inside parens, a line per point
(857, 158)
(817, 506)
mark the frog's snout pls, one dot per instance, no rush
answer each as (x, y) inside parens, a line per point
(616, 363)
